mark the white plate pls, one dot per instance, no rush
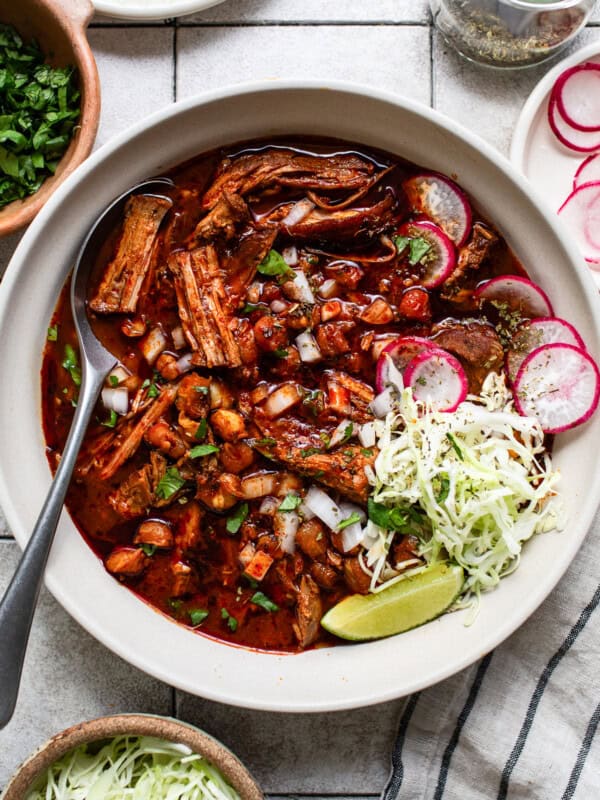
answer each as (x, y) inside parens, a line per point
(152, 9)
(334, 677)
(536, 152)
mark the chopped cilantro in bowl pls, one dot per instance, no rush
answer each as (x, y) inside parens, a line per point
(39, 111)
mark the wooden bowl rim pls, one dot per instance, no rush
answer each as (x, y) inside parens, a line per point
(167, 728)
(73, 23)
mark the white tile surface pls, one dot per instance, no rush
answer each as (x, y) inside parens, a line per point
(136, 74)
(68, 677)
(341, 753)
(314, 10)
(394, 58)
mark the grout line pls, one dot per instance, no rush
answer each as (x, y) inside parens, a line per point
(267, 24)
(174, 54)
(432, 85)
(173, 702)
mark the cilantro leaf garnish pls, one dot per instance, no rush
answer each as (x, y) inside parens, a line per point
(203, 450)
(274, 264)
(235, 521)
(261, 599)
(197, 615)
(290, 502)
(71, 364)
(170, 483)
(391, 519)
(232, 622)
(354, 517)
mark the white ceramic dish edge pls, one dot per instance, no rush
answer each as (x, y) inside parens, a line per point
(152, 9)
(278, 683)
(525, 131)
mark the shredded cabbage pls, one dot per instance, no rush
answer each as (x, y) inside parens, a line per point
(132, 768)
(476, 483)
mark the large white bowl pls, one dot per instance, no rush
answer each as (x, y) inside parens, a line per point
(331, 678)
(152, 9)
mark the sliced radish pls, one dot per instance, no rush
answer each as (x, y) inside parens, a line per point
(439, 261)
(577, 93)
(588, 171)
(545, 330)
(437, 377)
(396, 356)
(580, 141)
(559, 385)
(581, 212)
(516, 293)
(442, 201)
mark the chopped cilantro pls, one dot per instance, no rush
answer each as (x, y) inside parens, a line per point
(266, 442)
(170, 483)
(52, 333)
(310, 451)
(174, 603)
(71, 361)
(203, 450)
(274, 264)
(197, 615)
(112, 419)
(201, 389)
(281, 352)
(290, 502)
(354, 517)
(113, 380)
(235, 521)
(201, 430)
(366, 451)
(418, 248)
(153, 390)
(442, 495)
(401, 243)
(40, 109)
(391, 519)
(231, 621)
(348, 431)
(250, 307)
(261, 599)
(325, 438)
(149, 549)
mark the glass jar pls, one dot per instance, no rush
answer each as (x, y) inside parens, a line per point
(509, 33)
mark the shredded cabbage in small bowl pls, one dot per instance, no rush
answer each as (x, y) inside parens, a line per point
(473, 485)
(132, 768)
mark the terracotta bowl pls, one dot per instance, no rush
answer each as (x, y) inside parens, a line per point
(172, 730)
(59, 28)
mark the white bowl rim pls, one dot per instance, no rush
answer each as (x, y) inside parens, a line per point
(489, 640)
(153, 10)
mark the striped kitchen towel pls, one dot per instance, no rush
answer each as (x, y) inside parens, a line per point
(522, 723)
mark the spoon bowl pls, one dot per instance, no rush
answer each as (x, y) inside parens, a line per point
(18, 604)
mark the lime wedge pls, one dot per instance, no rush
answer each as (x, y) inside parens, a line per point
(403, 606)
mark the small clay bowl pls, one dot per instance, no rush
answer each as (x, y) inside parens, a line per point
(171, 730)
(59, 28)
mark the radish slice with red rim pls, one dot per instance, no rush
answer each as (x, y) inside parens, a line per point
(438, 262)
(577, 94)
(559, 385)
(396, 356)
(534, 334)
(518, 294)
(437, 377)
(581, 212)
(588, 171)
(580, 141)
(438, 198)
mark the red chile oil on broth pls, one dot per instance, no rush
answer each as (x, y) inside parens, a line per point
(87, 499)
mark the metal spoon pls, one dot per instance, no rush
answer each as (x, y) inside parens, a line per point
(18, 604)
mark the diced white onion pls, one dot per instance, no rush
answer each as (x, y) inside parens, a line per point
(184, 364)
(178, 337)
(323, 507)
(379, 345)
(277, 306)
(366, 434)
(253, 292)
(118, 375)
(382, 404)
(282, 399)
(308, 348)
(298, 212)
(393, 374)
(348, 509)
(116, 399)
(246, 554)
(258, 485)
(351, 536)
(299, 289)
(305, 511)
(286, 525)
(269, 505)
(328, 288)
(153, 344)
(290, 255)
(340, 432)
